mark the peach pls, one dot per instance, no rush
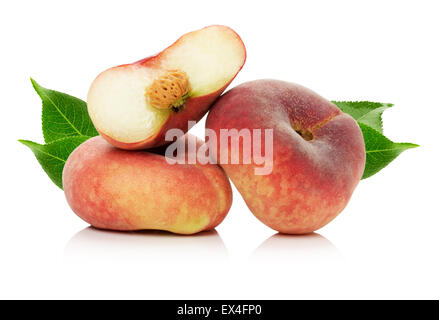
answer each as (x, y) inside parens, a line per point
(136, 190)
(134, 105)
(318, 153)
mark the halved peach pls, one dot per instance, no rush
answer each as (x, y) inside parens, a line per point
(134, 105)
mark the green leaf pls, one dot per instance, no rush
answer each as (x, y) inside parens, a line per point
(368, 113)
(380, 151)
(53, 156)
(63, 115)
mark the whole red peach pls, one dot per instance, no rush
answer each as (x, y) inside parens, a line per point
(137, 190)
(318, 154)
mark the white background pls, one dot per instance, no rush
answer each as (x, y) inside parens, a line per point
(383, 245)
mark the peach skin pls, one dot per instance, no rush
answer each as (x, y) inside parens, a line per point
(134, 105)
(318, 153)
(137, 190)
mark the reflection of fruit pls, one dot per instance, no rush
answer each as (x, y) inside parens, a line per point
(121, 190)
(103, 246)
(318, 153)
(134, 105)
